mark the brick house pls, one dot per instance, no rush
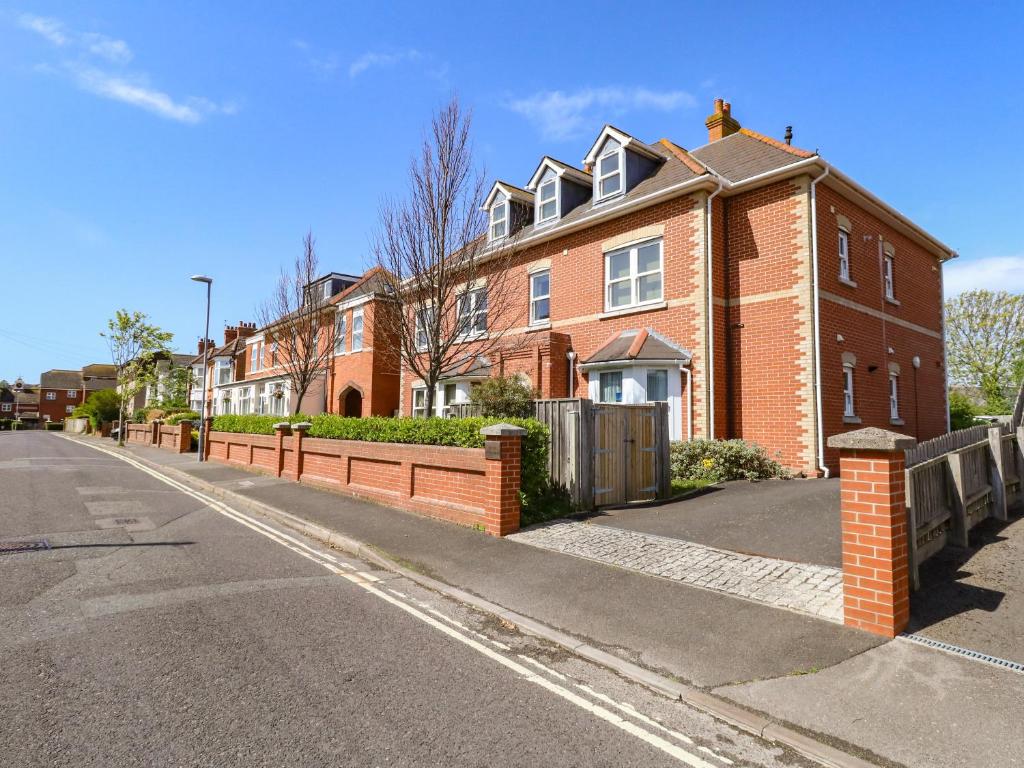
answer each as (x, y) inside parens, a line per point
(63, 390)
(247, 374)
(20, 401)
(757, 289)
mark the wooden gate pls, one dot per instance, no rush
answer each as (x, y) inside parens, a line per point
(630, 453)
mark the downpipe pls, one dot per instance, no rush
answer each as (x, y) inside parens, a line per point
(817, 323)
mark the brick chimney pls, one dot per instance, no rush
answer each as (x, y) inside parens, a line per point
(721, 123)
(204, 344)
(245, 330)
(230, 333)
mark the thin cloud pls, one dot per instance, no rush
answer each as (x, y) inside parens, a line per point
(375, 59)
(995, 273)
(138, 95)
(49, 28)
(564, 115)
(116, 51)
(325, 64)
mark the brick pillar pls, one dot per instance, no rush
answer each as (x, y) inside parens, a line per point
(207, 429)
(154, 432)
(184, 436)
(876, 577)
(281, 429)
(503, 450)
(299, 431)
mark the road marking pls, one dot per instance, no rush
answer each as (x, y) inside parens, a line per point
(360, 579)
(634, 713)
(537, 664)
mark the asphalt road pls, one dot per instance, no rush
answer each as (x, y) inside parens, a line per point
(158, 630)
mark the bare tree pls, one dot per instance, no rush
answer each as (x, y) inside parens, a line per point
(455, 297)
(301, 322)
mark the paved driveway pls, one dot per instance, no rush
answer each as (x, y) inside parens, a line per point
(787, 519)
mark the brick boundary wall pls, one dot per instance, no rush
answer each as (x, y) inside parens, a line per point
(177, 438)
(876, 566)
(470, 486)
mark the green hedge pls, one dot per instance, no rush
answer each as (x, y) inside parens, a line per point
(54, 426)
(5, 424)
(540, 500)
(177, 418)
(715, 461)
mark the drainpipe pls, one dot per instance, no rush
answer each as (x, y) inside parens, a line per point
(689, 401)
(945, 367)
(817, 323)
(711, 312)
(571, 357)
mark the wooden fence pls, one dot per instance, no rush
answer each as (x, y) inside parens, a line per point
(602, 453)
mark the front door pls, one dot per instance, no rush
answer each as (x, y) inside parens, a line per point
(353, 404)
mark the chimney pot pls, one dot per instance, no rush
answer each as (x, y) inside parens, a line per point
(718, 105)
(721, 123)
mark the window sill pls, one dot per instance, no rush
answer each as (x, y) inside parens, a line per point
(851, 420)
(897, 422)
(847, 281)
(632, 310)
(543, 326)
(890, 300)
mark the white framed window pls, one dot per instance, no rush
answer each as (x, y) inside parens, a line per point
(51, 395)
(6, 407)
(327, 290)
(450, 395)
(894, 396)
(547, 198)
(633, 276)
(357, 330)
(244, 400)
(499, 216)
(256, 364)
(72, 393)
(844, 254)
(848, 411)
(262, 399)
(473, 312)
(278, 399)
(610, 386)
(540, 297)
(69, 409)
(273, 353)
(223, 371)
(424, 320)
(419, 402)
(657, 385)
(340, 331)
(608, 178)
(887, 276)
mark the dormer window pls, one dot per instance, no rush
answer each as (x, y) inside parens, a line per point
(499, 217)
(547, 198)
(608, 178)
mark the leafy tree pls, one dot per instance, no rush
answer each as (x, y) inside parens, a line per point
(133, 343)
(99, 407)
(962, 411)
(985, 343)
(176, 383)
(504, 396)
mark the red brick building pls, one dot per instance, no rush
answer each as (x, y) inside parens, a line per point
(755, 287)
(62, 390)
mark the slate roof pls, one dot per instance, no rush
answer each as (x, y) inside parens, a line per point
(747, 153)
(60, 379)
(637, 345)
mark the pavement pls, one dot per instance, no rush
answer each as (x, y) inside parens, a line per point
(838, 685)
(160, 627)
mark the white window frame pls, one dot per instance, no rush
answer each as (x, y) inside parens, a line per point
(844, 254)
(51, 395)
(273, 353)
(600, 178)
(622, 385)
(256, 363)
(357, 329)
(244, 399)
(340, 332)
(421, 326)
(6, 407)
(72, 393)
(535, 297)
(894, 396)
(419, 411)
(849, 410)
(647, 384)
(888, 279)
(634, 276)
(224, 367)
(503, 203)
(468, 327)
(69, 409)
(554, 200)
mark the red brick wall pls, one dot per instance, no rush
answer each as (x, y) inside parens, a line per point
(56, 409)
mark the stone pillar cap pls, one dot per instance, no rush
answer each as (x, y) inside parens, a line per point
(301, 425)
(503, 430)
(282, 424)
(872, 439)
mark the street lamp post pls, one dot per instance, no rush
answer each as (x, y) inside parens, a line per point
(206, 335)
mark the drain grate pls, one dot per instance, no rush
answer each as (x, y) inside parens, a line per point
(10, 547)
(967, 653)
(126, 521)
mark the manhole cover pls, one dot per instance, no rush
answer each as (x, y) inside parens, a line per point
(126, 521)
(10, 547)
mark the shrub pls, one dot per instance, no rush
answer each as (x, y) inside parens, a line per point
(717, 460)
(139, 416)
(180, 416)
(962, 411)
(54, 426)
(505, 397)
(252, 424)
(5, 424)
(100, 406)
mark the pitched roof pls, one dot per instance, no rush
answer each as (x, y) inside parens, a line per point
(743, 155)
(637, 345)
(60, 379)
(564, 170)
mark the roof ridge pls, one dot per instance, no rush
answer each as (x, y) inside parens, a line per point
(776, 143)
(682, 154)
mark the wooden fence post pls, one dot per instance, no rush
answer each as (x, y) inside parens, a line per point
(876, 578)
(958, 498)
(995, 472)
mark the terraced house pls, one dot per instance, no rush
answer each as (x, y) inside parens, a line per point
(249, 372)
(756, 288)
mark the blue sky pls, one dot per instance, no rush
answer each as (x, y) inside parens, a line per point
(141, 142)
